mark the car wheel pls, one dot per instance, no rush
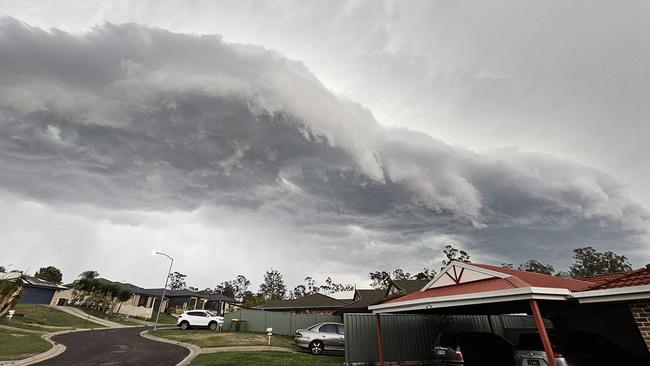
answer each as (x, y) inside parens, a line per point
(185, 325)
(213, 326)
(316, 347)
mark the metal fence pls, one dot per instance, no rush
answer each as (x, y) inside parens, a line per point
(408, 337)
(282, 323)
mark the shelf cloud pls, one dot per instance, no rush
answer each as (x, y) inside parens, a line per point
(127, 121)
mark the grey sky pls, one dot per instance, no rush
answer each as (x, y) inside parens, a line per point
(345, 137)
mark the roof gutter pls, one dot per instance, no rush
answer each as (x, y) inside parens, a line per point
(517, 294)
(613, 294)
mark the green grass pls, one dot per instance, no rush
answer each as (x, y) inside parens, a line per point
(118, 318)
(43, 318)
(266, 359)
(164, 319)
(208, 338)
(15, 345)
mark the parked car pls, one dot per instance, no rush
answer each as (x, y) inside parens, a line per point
(199, 319)
(321, 337)
(590, 349)
(472, 349)
(530, 351)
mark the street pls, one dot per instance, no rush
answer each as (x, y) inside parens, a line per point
(112, 347)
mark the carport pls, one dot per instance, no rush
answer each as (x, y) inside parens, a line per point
(468, 288)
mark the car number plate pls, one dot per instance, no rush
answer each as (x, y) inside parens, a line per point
(532, 362)
(441, 352)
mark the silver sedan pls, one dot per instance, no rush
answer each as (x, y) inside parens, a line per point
(321, 337)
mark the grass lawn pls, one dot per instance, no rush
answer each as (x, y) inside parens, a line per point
(164, 319)
(15, 345)
(43, 318)
(118, 318)
(266, 359)
(208, 338)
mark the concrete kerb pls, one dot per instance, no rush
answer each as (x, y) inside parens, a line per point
(194, 350)
(247, 349)
(57, 349)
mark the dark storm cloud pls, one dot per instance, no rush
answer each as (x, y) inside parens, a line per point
(129, 117)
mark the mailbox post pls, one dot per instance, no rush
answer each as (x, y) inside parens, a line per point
(269, 333)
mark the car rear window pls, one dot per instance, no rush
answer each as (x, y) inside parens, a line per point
(533, 342)
(448, 340)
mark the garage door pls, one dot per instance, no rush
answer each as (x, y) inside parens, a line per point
(34, 295)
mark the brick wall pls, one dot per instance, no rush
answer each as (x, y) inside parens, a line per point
(641, 311)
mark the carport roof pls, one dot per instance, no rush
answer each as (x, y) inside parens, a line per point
(472, 283)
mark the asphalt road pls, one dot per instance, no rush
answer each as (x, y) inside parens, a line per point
(112, 347)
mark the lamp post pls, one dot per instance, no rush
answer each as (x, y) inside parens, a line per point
(155, 325)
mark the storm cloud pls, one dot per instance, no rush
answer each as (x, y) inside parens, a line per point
(136, 120)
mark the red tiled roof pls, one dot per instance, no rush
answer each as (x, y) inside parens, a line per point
(514, 279)
(602, 278)
(538, 279)
(638, 277)
(490, 284)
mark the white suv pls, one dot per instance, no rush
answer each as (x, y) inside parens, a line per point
(199, 318)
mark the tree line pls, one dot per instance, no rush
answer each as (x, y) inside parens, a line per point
(587, 262)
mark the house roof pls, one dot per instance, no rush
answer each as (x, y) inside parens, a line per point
(366, 298)
(638, 277)
(474, 283)
(313, 301)
(531, 279)
(601, 278)
(171, 293)
(409, 286)
(219, 297)
(491, 284)
(31, 281)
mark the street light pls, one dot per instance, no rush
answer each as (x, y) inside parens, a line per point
(155, 325)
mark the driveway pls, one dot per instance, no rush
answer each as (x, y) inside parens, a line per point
(112, 347)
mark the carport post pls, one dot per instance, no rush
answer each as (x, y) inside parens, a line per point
(380, 346)
(541, 328)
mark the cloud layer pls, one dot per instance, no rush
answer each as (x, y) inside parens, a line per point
(138, 119)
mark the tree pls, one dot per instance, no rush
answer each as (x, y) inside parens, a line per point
(273, 287)
(298, 292)
(536, 266)
(589, 262)
(177, 281)
(426, 274)
(234, 288)
(331, 287)
(507, 265)
(122, 295)
(381, 279)
(250, 299)
(225, 288)
(311, 287)
(453, 254)
(9, 293)
(240, 284)
(3, 269)
(50, 273)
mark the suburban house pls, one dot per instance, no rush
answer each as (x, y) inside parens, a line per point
(613, 307)
(405, 287)
(35, 290)
(181, 300)
(311, 304)
(362, 299)
(144, 302)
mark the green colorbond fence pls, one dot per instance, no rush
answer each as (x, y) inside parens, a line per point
(409, 337)
(282, 323)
